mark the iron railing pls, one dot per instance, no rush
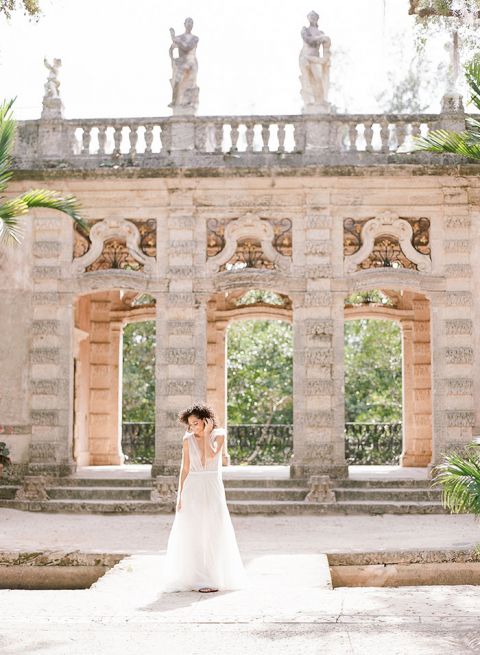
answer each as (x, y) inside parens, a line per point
(138, 442)
(365, 443)
(373, 443)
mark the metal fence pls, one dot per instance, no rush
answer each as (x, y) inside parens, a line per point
(365, 443)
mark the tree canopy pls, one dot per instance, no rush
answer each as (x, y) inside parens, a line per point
(139, 372)
(30, 7)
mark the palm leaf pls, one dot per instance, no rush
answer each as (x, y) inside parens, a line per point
(7, 136)
(445, 141)
(472, 73)
(459, 476)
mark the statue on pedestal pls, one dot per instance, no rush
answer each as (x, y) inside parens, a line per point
(52, 103)
(184, 71)
(314, 67)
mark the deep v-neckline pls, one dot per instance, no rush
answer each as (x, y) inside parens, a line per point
(203, 463)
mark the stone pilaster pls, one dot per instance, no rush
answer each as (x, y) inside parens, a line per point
(181, 365)
(454, 415)
(51, 353)
(318, 359)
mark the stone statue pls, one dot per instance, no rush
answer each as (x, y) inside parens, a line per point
(52, 103)
(52, 85)
(184, 71)
(314, 67)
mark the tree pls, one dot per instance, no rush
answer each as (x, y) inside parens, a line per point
(138, 398)
(467, 143)
(12, 208)
(30, 7)
(260, 372)
(373, 371)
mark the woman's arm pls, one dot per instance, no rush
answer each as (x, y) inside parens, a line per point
(207, 441)
(183, 471)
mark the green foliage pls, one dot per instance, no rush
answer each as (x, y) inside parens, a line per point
(139, 372)
(260, 371)
(373, 371)
(12, 208)
(459, 476)
(30, 7)
(467, 143)
(366, 297)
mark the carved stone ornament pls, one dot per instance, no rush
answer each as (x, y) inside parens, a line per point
(116, 243)
(397, 235)
(248, 242)
(320, 490)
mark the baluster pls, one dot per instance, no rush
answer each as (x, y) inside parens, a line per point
(384, 135)
(341, 134)
(401, 130)
(102, 139)
(265, 137)
(117, 140)
(165, 138)
(218, 137)
(133, 138)
(250, 135)
(148, 138)
(352, 135)
(234, 135)
(86, 138)
(281, 137)
(299, 137)
(368, 135)
(416, 131)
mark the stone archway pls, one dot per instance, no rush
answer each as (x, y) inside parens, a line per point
(99, 318)
(412, 311)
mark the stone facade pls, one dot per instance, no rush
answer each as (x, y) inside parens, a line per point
(279, 224)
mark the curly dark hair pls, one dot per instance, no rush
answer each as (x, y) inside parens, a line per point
(200, 410)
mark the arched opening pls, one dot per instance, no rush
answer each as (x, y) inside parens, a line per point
(250, 374)
(100, 318)
(388, 409)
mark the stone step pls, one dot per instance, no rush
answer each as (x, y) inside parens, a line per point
(238, 483)
(99, 493)
(103, 482)
(404, 494)
(347, 507)
(349, 482)
(8, 491)
(266, 493)
(249, 507)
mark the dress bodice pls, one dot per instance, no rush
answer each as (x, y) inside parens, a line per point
(211, 463)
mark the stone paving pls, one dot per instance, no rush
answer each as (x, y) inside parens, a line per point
(288, 607)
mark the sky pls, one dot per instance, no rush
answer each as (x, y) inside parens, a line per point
(115, 60)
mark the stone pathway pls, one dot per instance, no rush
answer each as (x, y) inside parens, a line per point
(289, 606)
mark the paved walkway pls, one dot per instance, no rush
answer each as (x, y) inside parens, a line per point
(288, 607)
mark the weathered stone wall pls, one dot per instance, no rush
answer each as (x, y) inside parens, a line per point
(42, 287)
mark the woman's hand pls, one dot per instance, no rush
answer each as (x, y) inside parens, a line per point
(208, 426)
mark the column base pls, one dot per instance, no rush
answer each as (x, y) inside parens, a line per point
(159, 468)
(304, 471)
(419, 460)
(54, 470)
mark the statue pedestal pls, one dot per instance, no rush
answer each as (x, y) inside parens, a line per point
(452, 112)
(317, 134)
(315, 109)
(52, 109)
(182, 135)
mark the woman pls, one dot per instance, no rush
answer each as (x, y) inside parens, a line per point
(202, 552)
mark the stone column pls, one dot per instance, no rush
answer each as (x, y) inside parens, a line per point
(51, 354)
(181, 366)
(318, 359)
(417, 401)
(453, 340)
(104, 399)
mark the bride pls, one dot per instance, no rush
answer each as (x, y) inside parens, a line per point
(202, 551)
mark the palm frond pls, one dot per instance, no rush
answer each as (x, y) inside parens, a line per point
(7, 136)
(10, 229)
(472, 73)
(445, 141)
(48, 199)
(459, 477)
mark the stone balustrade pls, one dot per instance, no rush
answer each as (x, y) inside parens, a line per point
(228, 140)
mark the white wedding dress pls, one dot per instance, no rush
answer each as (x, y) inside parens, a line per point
(202, 550)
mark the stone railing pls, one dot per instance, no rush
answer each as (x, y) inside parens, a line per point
(373, 443)
(216, 140)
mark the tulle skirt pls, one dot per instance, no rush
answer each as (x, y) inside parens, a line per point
(202, 549)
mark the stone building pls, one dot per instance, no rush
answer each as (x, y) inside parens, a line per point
(187, 214)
